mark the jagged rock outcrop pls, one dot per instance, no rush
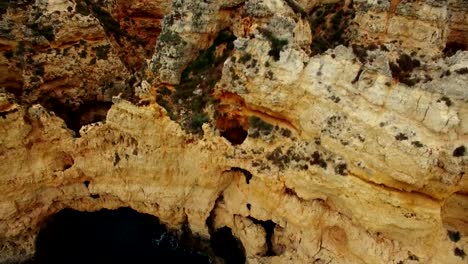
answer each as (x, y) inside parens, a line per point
(318, 131)
(73, 56)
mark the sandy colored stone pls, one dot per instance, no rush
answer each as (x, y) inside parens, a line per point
(358, 166)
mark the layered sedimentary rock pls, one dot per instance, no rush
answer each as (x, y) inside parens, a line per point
(318, 131)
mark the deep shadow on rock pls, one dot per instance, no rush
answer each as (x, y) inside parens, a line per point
(110, 236)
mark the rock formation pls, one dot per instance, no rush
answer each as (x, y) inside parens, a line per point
(318, 131)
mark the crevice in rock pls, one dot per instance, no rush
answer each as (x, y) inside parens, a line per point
(454, 214)
(452, 47)
(121, 32)
(459, 253)
(110, 236)
(231, 129)
(210, 220)
(67, 161)
(269, 227)
(231, 106)
(222, 242)
(453, 235)
(403, 188)
(246, 173)
(86, 184)
(76, 117)
(227, 246)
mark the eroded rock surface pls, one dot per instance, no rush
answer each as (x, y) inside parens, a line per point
(317, 131)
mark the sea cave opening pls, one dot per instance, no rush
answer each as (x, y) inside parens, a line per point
(110, 236)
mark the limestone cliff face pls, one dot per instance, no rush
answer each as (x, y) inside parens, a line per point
(73, 56)
(344, 123)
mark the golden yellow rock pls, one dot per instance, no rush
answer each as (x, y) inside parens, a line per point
(318, 131)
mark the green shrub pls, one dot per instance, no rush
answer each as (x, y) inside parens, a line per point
(245, 58)
(261, 125)
(102, 51)
(83, 54)
(277, 44)
(329, 23)
(198, 119)
(41, 30)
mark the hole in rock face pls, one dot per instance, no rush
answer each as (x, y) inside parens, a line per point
(248, 176)
(235, 135)
(452, 47)
(110, 236)
(76, 117)
(227, 246)
(231, 129)
(269, 227)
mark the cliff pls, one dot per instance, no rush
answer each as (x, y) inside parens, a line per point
(343, 124)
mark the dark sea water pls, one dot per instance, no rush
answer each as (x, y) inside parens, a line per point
(124, 236)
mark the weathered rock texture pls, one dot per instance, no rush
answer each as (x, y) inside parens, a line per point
(355, 153)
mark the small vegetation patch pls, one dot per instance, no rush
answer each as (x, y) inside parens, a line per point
(170, 37)
(42, 30)
(83, 54)
(417, 144)
(401, 137)
(462, 70)
(187, 103)
(341, 169)
(278, 158)
(246, 57)
(277, 44)
(297, 159)
(317, 159)
(102, 52)
(446, 100)
(402, 69)
(198, 120)
(329, 25)
(259, 127)
(360, 51)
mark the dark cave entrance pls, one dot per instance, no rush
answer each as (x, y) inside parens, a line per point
(110, 236)
(452, 47)
(231, 128)
(235, 135)
(76, 117)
